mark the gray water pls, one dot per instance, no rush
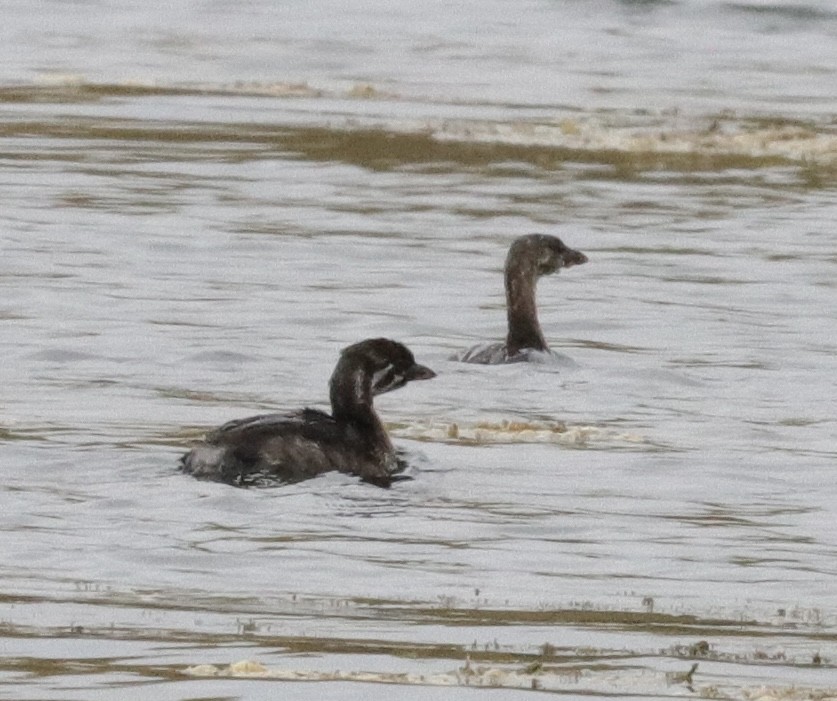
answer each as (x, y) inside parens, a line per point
(204, 203)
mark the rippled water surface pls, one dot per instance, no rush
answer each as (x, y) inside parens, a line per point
(203, 205)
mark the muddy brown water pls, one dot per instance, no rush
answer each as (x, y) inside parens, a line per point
(201, 210)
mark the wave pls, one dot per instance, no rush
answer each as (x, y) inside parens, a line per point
(540, 135)
(579, 678)
(506, 431)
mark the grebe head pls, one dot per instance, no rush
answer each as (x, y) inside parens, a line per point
(551, 253)
(390, 364)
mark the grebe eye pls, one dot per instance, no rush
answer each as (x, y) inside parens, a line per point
(387, 379)
(549, 264)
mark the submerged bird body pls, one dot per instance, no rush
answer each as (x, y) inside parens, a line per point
(293, 447)
(529, 258)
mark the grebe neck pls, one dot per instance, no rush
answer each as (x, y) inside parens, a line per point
(524, 328)
(351, 401)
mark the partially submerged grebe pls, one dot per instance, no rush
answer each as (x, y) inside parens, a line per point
(529, 257)
(293, 447)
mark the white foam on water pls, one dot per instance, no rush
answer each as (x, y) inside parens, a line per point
(510, 431)
(572, 679)
(662, 133)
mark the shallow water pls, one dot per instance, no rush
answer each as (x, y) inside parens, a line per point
(202, 208)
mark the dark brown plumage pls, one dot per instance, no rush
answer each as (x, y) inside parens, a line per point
(293, 447)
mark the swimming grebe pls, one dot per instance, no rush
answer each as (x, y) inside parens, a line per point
(293, 447)
(529, 257)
